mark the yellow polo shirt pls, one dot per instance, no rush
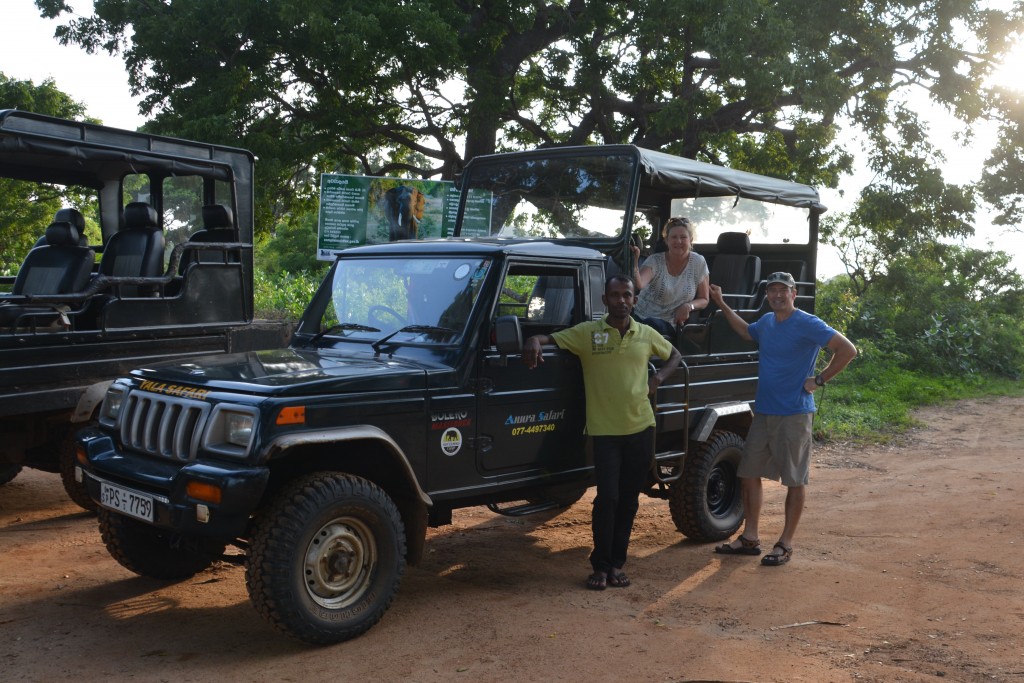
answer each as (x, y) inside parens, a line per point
(615, 373)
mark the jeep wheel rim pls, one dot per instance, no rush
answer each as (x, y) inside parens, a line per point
(339, 563)
(721, 489)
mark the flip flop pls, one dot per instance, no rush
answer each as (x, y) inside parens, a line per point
(747, 547)
(618, 580)
(597, 581)
(774, 559)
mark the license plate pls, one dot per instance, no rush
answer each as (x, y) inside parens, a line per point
(131, 503)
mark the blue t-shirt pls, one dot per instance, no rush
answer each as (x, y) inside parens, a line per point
(788, 351)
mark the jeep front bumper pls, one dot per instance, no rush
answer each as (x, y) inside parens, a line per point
(227, 493)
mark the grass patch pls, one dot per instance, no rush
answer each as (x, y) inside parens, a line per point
(873, 400)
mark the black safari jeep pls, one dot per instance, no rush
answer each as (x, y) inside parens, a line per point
(402, 396)
(167, 273)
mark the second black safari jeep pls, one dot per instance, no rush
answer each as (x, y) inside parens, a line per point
(149, 259)
(403, 397)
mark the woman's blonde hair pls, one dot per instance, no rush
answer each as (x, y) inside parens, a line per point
(679, 220)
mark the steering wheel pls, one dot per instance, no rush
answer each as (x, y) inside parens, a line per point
(374, 315)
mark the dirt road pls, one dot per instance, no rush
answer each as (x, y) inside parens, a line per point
(909, 566)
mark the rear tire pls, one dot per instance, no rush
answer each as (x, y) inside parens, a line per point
(326, 558)
(705, 502)
(158, 554)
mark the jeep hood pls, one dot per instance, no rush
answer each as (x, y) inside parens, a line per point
(293, 371)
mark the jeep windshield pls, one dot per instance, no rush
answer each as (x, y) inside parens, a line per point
(581, 194)
(396, 300)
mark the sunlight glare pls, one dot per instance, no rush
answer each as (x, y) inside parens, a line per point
(1007, 75)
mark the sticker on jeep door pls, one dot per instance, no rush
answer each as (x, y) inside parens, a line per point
(534, 429)
(455, 418)
(451, 441)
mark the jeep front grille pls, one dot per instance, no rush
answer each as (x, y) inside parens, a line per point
(164, 426)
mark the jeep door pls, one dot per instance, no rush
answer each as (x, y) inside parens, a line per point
(531, 421)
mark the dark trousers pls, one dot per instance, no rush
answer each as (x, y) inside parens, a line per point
(664, 327)
(621, 464)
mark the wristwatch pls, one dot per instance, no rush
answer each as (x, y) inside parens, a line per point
(819, 380)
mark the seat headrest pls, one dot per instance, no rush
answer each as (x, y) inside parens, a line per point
(72, 216)
(734, 243)
(62, 234)
(217, 216)
(140, 216)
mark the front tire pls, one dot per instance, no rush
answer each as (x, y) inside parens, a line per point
(149, 551)
(326, 558)
(705, 502)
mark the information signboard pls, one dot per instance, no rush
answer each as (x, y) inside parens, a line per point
(358, 210)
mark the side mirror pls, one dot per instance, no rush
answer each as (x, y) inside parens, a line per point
(508, 336)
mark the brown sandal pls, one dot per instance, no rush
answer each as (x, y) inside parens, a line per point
(747, 547)
(774, 559)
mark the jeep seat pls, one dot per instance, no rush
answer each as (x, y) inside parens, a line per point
(75, 218)
(552, 301)
(735, 269)
(136, 250)
(218, 226)
(60, 266)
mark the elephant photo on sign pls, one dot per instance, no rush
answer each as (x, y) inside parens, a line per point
(403, 208)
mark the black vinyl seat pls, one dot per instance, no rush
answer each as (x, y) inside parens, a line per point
(61, 266)
(555, 298)
(136, 250)
(218, 226)
(796, 268)
(73, 216)
(735, 270)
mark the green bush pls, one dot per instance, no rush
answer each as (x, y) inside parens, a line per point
(283, 296)
(873, 400)
(923, 338)
(930, 322)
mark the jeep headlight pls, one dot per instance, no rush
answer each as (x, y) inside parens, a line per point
(112, 403)
(239, 428)
(230, 430)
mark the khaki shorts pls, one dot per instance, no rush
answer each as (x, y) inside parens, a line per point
(778, 448)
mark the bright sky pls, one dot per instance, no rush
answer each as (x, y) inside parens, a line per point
(28, 50)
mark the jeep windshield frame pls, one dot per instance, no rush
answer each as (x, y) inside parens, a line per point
(395, 300)
(598, 195)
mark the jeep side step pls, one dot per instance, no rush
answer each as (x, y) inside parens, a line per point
(524, 509)
(668, 466)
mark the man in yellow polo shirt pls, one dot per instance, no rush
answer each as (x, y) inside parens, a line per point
(614, 353)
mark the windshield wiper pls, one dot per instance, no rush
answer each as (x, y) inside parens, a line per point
(338, 328)
(410, 328)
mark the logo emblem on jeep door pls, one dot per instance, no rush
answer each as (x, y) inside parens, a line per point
(451, 441)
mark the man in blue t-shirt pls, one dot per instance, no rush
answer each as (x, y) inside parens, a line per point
(779, 441)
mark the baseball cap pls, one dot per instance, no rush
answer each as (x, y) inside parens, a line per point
(784, 278)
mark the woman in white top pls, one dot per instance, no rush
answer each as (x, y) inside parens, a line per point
(674, 283)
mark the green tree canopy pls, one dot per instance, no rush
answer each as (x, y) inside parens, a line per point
(419, 86)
